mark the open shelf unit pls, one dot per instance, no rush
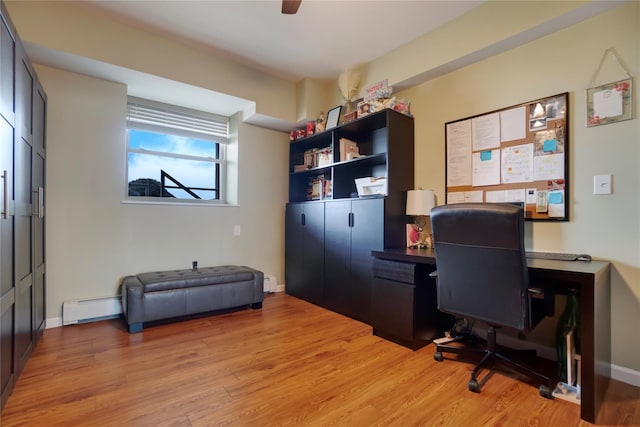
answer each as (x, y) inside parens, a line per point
(379, 137)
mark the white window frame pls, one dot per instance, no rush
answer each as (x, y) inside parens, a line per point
(147, 115)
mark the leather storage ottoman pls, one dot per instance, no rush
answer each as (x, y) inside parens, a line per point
(167, 294)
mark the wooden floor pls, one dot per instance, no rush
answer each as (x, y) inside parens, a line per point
(289, 364)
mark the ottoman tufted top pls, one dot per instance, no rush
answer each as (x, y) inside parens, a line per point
(177, 279)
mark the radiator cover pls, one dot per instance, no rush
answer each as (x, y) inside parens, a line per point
(90, 309)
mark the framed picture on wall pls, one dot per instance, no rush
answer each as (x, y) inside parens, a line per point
(610, 103)
(333, 116)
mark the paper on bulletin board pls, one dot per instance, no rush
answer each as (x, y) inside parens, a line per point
(548, 167)
(513, 124)
(459, 153)
(505, 196)
(517, 164)
(486, 131)
(486, 168)
(556, 203)
(464, 196)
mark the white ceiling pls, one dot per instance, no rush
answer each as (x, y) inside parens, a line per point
(323, 39)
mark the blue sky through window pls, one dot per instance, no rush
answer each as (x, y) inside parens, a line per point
(191, 173)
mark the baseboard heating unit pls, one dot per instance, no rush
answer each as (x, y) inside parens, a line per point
(90, 309)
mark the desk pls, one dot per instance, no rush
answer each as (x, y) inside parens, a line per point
(592, 282)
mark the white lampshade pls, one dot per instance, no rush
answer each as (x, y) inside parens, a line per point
(420, 202)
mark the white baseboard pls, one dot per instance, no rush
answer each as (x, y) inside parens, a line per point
(618, 373)
(53, 322)
(626, 375)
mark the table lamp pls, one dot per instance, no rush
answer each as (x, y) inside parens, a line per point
(419, 204)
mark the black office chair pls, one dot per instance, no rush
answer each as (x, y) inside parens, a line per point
(482, 274)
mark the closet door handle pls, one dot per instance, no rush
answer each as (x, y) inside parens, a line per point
(351, 219)
(303, 219)
(40, 202)
(5, 213)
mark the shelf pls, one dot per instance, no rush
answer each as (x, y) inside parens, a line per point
(380, 136)
(375, 159)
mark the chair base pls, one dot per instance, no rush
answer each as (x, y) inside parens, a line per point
(490, 356)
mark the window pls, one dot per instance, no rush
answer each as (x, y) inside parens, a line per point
(175, 154)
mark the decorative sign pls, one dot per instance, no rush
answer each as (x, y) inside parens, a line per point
(371, 91)
(609, 103)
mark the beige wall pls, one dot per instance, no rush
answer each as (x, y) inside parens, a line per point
(607, 227)
(93, 239)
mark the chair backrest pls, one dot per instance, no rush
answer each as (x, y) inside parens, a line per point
(481, 262)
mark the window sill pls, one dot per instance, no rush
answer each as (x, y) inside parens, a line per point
(181, 203)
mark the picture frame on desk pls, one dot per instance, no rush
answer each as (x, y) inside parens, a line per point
(333, 116)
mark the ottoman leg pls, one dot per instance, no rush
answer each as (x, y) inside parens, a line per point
(256, 305)
(135, 327)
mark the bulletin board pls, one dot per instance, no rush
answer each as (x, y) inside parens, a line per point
(515, 154)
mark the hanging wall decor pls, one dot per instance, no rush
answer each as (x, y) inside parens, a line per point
(610, 102)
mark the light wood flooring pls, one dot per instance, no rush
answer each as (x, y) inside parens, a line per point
(289, 364)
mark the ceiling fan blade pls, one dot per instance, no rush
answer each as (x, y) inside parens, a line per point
(290, 7)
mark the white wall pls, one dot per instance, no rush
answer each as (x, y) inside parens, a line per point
(93, 239)
(607, 227)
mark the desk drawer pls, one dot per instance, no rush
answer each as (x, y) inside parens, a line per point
(394, 270)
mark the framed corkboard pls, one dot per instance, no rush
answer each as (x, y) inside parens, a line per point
(515, 154)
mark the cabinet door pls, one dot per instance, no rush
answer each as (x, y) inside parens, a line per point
(7, 280)
(294, 245)
(23, 152)
(38, 186)
(313, 252)
(337, 269)
(367, 234)
(304, 255)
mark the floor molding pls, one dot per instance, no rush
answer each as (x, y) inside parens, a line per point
(626, 375)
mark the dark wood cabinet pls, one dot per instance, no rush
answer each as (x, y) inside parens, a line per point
(304, 250)
(349, 227)
(352, 229)
(22, 166)
(404, 303)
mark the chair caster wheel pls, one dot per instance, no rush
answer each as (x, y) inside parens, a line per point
(474, 386)
(437, 356)
(545, 392)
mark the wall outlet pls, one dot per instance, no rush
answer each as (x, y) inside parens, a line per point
(236, 230)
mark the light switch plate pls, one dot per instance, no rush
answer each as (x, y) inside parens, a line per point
(602, 184)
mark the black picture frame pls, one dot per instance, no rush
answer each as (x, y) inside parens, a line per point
(531, 144)
(333, 116)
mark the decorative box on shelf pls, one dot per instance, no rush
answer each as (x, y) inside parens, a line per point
(370, 186)
(349, 117)
(348, 149)
(310, 159)
(319, 188)
(324, 157)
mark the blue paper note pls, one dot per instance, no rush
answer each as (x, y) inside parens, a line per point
(555, 198)
(485, 155)
(550, 145)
